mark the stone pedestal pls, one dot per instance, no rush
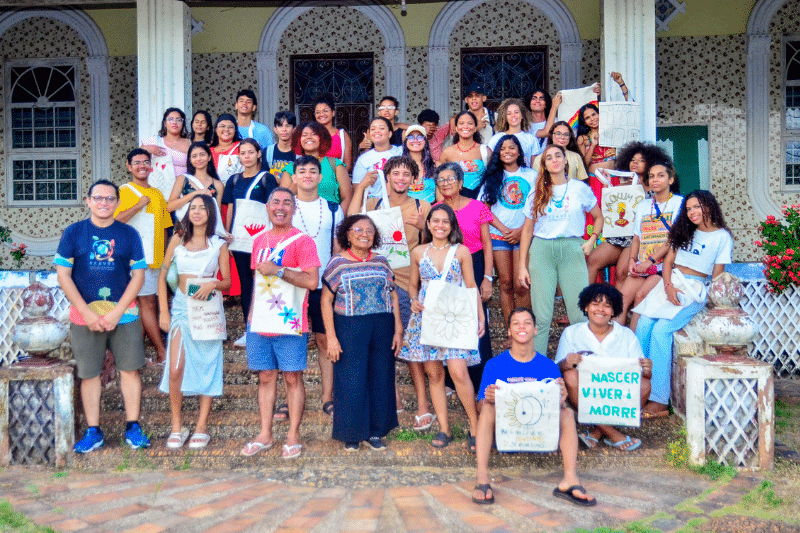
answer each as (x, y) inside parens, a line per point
(37, 417)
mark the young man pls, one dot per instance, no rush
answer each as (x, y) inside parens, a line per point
(278, 156)
(100, 266)
(317, 218)
(522, 363)
(400, 172)
(429, 119)
(601, 336)
(144, 208)
(267, 353)
(475, 97)
(246, 105)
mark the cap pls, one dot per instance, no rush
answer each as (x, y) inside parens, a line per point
(474, 87)
(414, 127)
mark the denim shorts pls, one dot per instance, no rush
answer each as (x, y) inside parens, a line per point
(503, 246)
(287, 353)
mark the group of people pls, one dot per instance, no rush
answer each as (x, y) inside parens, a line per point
(513, 193)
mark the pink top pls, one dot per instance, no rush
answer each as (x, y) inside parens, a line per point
(470, 218)
(336, 146)
(178, 157)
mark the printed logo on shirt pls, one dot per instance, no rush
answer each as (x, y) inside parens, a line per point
(469, 166)
(380, 164)
(102, 255)
(515, 191)
(694, 250)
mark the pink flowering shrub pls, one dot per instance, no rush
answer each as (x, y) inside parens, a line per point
(781, 245)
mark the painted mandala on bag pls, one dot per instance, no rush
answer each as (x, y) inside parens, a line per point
(449, 317)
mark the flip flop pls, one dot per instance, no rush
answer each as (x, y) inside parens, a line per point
(199, 440)
(569, 495)
(281, 413)
(659, 414)
(252, 448)
(292, 451)
(627, 440)
(470, 442)
(586, 438)
(177, 440)
(443, 438)
(419, 425)
(484, 488)
(327, 408)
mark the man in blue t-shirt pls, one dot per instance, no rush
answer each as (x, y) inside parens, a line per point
(522, 363)
(100, 266)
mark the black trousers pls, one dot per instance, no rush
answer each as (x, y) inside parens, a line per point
(242, 261)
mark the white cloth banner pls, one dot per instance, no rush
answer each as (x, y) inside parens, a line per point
(618, 205)
(609, 391)
(620, 123)
(206, 317)
(656, 304)
(571, 102)
(389, 221)
(527, 416)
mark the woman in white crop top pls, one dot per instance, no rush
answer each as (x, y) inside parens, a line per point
(198, 253)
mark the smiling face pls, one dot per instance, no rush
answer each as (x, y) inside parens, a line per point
(307, 177)
(415, 141)
(226, 130)
(379, 132)
(139, 167)
(361, 235)
(466, 127)
(280, 209)
(695, 213)
(198, 214)
(199, 158)
(400, 179)
(439, 225)
(554, 161)
(174, 123)
(600, 312)
(447, 184)
(561, 135)
(538, 103)
(513, 116)
(591, 118)
(102, 202)
(309, 141)
(245, 105)
(509, 153)
(249, 156)
(199, 124)
(659, 180)
(323, 114)
(521, 328)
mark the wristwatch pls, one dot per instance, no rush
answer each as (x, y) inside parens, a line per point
(281, 272)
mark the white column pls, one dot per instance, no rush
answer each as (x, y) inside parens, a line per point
(101, 131)
(758, 74)
(571, 72)
(395, 61)
(438, 87)
(268, 92)
(164, 61)
(628, 46)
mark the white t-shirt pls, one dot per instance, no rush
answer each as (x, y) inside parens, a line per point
(372, 160)
(509, 208)
(651, 231)
(564, 214)
(525, 139)
(316, 220)
(539, 143)
(620, 343)
(706, 249)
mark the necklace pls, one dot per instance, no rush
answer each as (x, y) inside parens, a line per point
(560, 202)
(354, 256)
(303, 220)
(440, 248)
(658, 207)
(458, 145)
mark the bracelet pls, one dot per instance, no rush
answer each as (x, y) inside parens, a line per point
(650, 257)
(490, 278)
(622, 84)
(595, 234)
(667, 285)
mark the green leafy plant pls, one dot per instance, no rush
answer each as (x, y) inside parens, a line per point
(715, 470)
(677, 453)
(781, 246)
(763, 496)
(11, 520)
(18, 253)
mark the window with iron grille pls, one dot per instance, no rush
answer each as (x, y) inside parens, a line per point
(504, 72)
(791, 113)
(43, 135)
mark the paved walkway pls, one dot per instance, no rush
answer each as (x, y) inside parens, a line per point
(386, 500)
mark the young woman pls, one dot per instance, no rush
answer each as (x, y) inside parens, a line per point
(201, 127)
(198, 253)
(415, 146)
(652, 221)
(562, 135)
(595, 155)
(540, 103)
(362, 324)
(172, 139)
(311, 138)
(225, 147)
(427, 263)
(699, 245)
(468, 152)
(513, 118)
(553, 230)
(200, 179)
(341, 146)
(252, 184)
(380, 133)
(506, 185)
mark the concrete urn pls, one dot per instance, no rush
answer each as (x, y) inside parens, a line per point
(37, 332)
(725, 326)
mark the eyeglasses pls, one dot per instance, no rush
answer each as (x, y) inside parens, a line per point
(386, 108)
(145, 164)
(418, 137)
(103, 199)
(445, 181)
(560, 134)
(222, 127)
(175, 120)
(369, 232)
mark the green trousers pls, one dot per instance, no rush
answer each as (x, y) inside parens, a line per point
(556, 262)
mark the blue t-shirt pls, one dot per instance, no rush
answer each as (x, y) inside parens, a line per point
(101, 260)
(260, 132)
(505, 367)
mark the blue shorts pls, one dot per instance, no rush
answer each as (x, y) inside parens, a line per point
(503, 246)
(287, 353)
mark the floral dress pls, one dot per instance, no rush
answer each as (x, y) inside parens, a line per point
(412, 349)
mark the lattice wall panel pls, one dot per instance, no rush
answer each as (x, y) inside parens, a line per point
(778, 319)
(731, 415)
(10, 312)
(31, 422)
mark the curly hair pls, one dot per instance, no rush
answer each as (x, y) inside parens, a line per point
(675, 186)
(428, 165)
(455, 237)
(649, 152)
(572, 145)
(210, 169)
(236, 135)
(319, 130)
(599, 292)
(544, 184)
(345, 226)
(475, 136)
(583, 129)
(683, 229)
(500, 121)
(548, 100)
(492, 181)
(186, 226)
(399, 161)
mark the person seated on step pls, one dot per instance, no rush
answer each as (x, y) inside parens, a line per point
(523, 362)
(601, 336)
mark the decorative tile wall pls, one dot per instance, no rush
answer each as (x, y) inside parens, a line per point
(591, 61)
(417, 79)
(216, 78)
(124, 130)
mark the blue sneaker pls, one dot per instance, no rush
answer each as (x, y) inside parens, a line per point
(135, 437)
(92, 439)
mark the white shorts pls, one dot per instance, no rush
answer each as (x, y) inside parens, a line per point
(150, 286)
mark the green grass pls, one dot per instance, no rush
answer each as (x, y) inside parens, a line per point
(762, 496)
(715, 470)
(409, 435)
(14, 522)
(633, 527)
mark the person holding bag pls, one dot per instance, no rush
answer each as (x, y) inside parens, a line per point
(198, 253)
(444, 257)
(700, 245)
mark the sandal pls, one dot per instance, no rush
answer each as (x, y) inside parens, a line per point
(292, 451)
(252, 448)
(177, 440)
(484, 488)
(627, 440)
(281, 413)
(327, 408)
(587, 438)
(419, 425)
(199, 440)
(569, 495)
(470, 442)
(443, 438)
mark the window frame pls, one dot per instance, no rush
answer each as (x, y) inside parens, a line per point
(787, 135)
(42, 154)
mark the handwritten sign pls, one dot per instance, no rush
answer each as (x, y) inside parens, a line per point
(206, 317)
(609, 391)
(527, 416)
(618, 205)
(620, 123)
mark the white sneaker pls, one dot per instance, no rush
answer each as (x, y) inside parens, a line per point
(241, 342)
